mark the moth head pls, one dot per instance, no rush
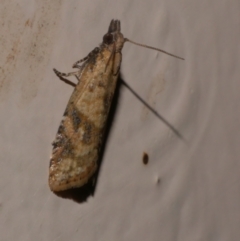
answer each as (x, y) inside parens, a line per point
(114, 37)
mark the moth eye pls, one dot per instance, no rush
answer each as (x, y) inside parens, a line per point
(108, 38)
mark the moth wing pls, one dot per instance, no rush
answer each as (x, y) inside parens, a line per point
(79, 138)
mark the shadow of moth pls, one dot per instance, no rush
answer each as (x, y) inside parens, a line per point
(79, 138)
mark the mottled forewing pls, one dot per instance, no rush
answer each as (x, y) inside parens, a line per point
(78, 141)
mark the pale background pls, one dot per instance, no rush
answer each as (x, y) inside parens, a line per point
(189, 190)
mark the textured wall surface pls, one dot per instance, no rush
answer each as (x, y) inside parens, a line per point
(189, 190)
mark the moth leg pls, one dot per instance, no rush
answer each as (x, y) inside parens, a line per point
(60, 74)
(76, 65)
(63, 75)
(90, 55)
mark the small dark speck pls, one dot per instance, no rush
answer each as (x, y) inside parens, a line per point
(145, 158)
(158, 180)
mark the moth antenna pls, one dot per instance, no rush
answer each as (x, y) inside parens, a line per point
(149, 47)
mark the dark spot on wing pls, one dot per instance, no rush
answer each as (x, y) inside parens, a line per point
(65, 112)
(101, 84)
(68, 150)
(76, 119)
(87, 133)
(60, 137)
(92, 57)
(61, 128)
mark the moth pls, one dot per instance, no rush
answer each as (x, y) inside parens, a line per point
(80, 135)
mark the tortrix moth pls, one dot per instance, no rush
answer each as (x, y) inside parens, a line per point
(79, 137)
